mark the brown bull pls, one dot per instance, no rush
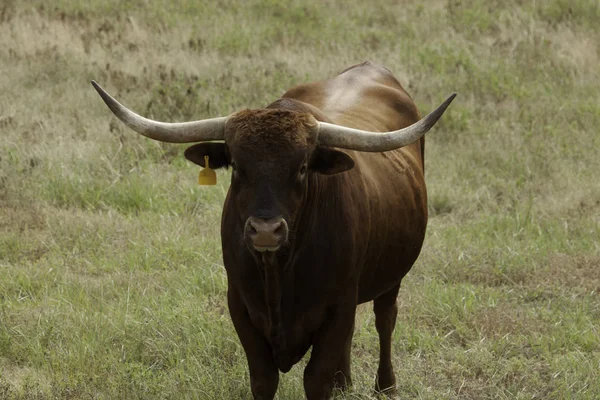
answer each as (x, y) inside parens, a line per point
(327, 209)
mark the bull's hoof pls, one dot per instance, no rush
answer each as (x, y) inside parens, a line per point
(386, 385)
(389, 392)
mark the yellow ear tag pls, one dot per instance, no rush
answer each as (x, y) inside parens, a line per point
(207, 176)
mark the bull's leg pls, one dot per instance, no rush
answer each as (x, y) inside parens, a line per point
(342, 378)
(264, 376)
(386, 310)
(329, 346)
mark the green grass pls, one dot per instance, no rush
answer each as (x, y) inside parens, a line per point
(111, 279)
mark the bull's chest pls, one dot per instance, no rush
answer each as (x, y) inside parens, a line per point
(289, 334)
(286, 301)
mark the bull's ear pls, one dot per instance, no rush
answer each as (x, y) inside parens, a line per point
(218, 155)
(330, 162)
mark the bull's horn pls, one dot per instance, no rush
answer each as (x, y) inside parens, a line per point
(355, 139)
(183, 132)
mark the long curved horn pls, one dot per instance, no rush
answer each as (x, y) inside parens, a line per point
(183, 132)
(356, 139)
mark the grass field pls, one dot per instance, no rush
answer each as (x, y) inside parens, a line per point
(111, 279)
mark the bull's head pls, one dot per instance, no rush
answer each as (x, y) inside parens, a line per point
(272, 153)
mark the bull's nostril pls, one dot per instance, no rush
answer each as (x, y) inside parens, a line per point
(252, 230)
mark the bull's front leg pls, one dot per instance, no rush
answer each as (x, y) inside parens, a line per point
(330, 345)
(264, 375)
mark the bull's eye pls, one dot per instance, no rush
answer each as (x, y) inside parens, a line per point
(233, 165)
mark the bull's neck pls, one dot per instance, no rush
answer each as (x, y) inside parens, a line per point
(273, 289)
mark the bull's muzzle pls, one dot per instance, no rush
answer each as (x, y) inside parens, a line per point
(266, 234)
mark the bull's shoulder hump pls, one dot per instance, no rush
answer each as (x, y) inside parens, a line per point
(355, 78)
(368, 72)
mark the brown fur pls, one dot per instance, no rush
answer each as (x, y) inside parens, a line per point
(276, 127)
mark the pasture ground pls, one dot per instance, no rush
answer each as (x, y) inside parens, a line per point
(111, 280)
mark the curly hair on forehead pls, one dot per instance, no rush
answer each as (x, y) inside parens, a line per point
(272, 128)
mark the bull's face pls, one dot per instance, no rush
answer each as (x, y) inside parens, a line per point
(273, 154)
